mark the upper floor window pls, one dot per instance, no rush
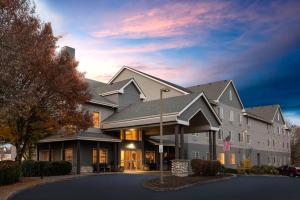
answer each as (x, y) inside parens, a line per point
(96, 119)
(221, 112)
(248, 122)
(241, 138)
(248, 139)
(268, 142)
(131, 134)
(231, 116)
(273, 143)
(220, 134)
(241, 119)
(230, 135)
(230, 95)
(278, 130)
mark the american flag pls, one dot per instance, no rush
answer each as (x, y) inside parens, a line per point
(226, 143)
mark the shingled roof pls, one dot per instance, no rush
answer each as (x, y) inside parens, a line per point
(265, 112)
(94, 88)
(114, 86)
(211, 90)
(150, 108)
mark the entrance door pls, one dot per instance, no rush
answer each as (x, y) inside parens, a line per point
(131, 159)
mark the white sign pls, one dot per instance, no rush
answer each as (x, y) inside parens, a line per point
(161, 149)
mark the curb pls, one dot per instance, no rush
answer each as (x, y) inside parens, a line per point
(263, 175)
(13, 194)
(156, 189)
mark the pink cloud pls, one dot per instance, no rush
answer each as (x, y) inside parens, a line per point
(171, 19)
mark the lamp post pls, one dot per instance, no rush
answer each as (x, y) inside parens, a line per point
(161, 151)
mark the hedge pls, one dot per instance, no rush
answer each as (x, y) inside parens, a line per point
(264, 169)
(9, 172)
(205, 167)
(45, 168)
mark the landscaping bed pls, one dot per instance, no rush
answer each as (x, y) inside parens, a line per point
(176, 183)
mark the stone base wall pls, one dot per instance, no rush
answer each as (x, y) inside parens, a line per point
(181, 168)
(86, 169)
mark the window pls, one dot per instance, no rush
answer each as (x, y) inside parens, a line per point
(69, 155)
(268, 142)
(274, 159)
(231, 116)
(220, 134)
(241, 137)
(248, 139)
(96, 119)
(273, 143)
(131, 134)
(230, 135)
(232, 159)
(278, 116)
(221, 158)
(248, 122)
(44, 155)
(230, 95)
(241, 119)
(287, 145)
(103, 157)
(282, 144)
(221, 112)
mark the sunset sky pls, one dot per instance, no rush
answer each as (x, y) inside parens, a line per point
(255, 43)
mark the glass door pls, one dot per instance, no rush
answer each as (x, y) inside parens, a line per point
(131, 159)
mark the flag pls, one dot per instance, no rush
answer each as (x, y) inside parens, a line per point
(226, 143)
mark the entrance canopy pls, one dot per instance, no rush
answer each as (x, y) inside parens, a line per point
(191, 110)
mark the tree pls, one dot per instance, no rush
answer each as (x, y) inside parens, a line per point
(40, 90)
(295, 146)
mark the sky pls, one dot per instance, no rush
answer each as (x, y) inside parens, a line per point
(254, 43)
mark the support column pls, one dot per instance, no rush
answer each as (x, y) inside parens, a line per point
(116, 161)
(49, 150)
(97, 157)
(37, 152)
(214, 157)
(182, 142)
(62, 151)
(78, 157)
(177, 130)
(210, 145)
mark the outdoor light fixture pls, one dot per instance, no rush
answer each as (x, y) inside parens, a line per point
(161, 148)
(131, 146)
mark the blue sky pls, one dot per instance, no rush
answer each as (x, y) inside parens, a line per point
(255, 43)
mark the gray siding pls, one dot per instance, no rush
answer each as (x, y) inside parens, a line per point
(224, 99)
(131, 95)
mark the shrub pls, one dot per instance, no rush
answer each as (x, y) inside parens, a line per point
(9, 172)
(45, 168)
(264, 169)
(230, 170)
(205, 167)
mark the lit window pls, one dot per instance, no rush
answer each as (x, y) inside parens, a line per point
(131, 134)
(150, 157)
(230, 95)
(44, 155)
(232, 159)
(69, 155)
(221, 158)
(102, 156)
(96, 119)
(231, 116)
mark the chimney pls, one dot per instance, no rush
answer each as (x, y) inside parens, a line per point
(70, 51)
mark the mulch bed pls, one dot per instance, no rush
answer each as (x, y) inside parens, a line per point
(174, 182)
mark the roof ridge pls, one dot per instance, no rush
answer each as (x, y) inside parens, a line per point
(264, 106)
(210, 83)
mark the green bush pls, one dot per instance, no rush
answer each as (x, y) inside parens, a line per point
(9, 172)
(45, 168)
(230, 170)
(205, 167)
(264, 169)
